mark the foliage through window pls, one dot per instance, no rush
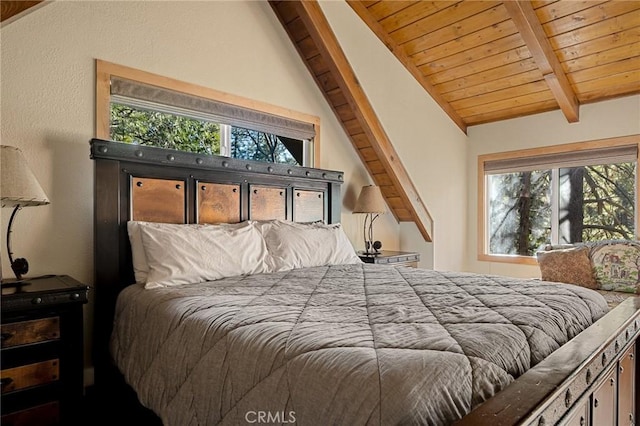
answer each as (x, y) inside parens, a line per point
(527, 209)
(165, 130)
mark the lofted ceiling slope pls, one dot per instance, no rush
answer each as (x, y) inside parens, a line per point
(318, 47)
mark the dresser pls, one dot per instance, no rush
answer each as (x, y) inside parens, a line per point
(395, 258)
(42, 350)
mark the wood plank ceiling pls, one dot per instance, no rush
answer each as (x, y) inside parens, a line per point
(486, 61)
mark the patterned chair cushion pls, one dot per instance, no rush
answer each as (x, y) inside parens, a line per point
(570, 266)
(617, 266)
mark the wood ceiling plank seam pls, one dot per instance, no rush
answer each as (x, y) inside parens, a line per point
(598, 45)
(592, 32)
(512, 113)
(489, 76)
(442, 19)
(375, 166)
(595, 14)
(628, 89)
(451, 34)
(328, 81)
(509, 103)
(462, 44)
(412, 14)
(369, 3)
(329, 46)
(318, 65)
(345, 112)
(387, 8)
(491, 48)
(400, 54)
(509, 93)
(337, 98)
(352, 127)
(360, 141)
(370, 154)
(287, 11)
(629, 80)
(441, 34)
(307, 48)
(536, 4)
(297, 28)
(9, 9)
(560, 9)
(389, 191)
(534, 36)
(602, 58)
(481, 65)
(604, 70)
(503, 83)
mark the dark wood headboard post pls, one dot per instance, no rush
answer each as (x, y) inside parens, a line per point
(195, 186)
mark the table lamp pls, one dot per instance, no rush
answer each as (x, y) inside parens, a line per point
(370, 202)
(18, 188)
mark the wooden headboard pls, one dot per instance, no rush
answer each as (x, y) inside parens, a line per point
(134, 182)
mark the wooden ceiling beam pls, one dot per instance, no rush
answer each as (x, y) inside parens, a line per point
(397, 50)
(370, 132)
(530, 28)
(9, 9)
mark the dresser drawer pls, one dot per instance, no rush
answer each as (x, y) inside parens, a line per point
(34, 331)
(42, 415)
(26, 376)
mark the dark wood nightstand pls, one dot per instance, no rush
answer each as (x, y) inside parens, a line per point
(42, 351)
(396, 258)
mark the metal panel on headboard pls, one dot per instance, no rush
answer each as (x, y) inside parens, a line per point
(134, 182)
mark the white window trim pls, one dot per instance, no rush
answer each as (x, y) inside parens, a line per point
(483, 208)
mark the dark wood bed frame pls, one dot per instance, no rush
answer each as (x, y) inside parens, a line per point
(135, 182)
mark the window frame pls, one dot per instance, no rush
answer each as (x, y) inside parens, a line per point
(105, 70)
(482, 206)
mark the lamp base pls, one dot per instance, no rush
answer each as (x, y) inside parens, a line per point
(20, 267)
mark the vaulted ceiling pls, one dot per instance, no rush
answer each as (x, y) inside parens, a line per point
(481, 61)
(486, 61)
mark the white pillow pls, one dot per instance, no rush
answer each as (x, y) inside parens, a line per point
(292, 245)
(186, 254)
(139, 258)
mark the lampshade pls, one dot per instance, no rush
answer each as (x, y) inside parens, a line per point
(18, 184)
(370, 201)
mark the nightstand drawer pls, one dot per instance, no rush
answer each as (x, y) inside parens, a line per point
(34, 331)
(42, 415)
(26, 376)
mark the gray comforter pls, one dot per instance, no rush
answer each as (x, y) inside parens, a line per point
(342, 345)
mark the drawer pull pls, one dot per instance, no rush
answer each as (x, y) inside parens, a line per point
(6, 381)
(6, 336)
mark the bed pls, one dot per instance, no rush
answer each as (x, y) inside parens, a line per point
(334, 344)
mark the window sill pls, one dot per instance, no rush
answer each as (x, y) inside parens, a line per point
(507, 258)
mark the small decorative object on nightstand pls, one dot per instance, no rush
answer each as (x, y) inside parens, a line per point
(372, 204)
(395, 258)
(42, 350)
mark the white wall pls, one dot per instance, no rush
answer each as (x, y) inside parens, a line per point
(614, 118)
(47, 103)
(432, 148)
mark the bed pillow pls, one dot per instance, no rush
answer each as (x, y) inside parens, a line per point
(571, 266)
(139, 258)
(292, 245)
(617, 266)
(192, 254)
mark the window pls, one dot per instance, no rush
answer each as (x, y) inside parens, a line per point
(147, 109)
(557, 195)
